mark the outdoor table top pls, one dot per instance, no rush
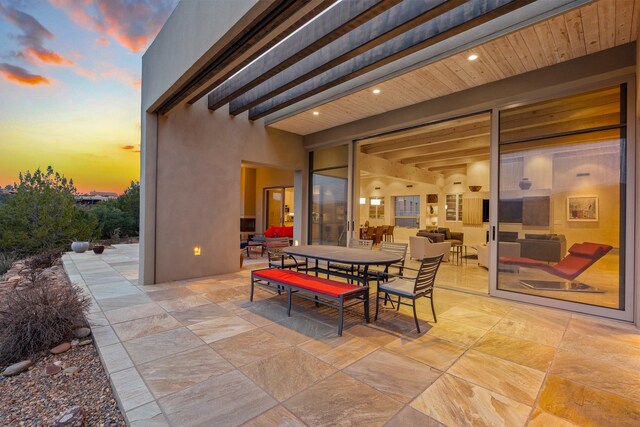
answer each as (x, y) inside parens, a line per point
(344, 255)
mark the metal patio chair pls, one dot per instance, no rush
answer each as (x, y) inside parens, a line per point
(276, 255)
(411, 288)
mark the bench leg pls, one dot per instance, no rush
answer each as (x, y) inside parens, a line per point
(317, 304)
(415, 316)
(289, 302)
(340, 321)
(252, 284)
(366, 306)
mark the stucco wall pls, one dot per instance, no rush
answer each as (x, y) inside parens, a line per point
(198, 186)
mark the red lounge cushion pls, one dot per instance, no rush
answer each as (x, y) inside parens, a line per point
(305, 281)
(271, 232)
(591, 250)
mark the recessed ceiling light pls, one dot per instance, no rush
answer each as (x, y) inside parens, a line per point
(316, 113)
(472, 57)
(376, 91)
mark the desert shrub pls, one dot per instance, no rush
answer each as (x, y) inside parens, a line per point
(42, 214)
(44, 260)
(111, 219)
(39, 317)
(6, 261)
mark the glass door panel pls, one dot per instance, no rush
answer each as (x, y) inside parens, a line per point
(329, 196)
(562, 199)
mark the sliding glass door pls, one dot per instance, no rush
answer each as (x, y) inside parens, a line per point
(279, 206)
(329, 183)
(562, 224)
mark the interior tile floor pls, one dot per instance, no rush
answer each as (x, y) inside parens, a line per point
(198, 353)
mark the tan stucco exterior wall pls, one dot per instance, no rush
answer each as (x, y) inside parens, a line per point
(198, 187)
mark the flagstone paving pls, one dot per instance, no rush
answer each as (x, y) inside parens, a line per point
(198, 353)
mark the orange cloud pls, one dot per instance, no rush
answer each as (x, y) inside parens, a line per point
(128, 147)
(102, 41)
(132, 24)
(33, 37)
(47, 56)
(21, 76)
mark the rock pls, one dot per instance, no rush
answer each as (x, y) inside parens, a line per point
(82, 332)
(60, 348)
(71, 370)
(74, 343)
(17, 368)
(14, 279)
(72, 417)
(51, 369)
(85, 342)
(58, 363)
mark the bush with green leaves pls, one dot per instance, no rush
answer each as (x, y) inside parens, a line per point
(43, 215)
(120, 217)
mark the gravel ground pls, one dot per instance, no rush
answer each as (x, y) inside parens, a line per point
(34, 399)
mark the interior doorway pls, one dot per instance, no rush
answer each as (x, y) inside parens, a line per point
(278, 206)
(431, 183)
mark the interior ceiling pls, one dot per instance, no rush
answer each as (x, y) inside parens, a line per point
(453, 144)
(436, 147)
(591, 28)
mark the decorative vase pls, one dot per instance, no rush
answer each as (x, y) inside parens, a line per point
(98, 249)
(475, 188)
(525, 184)
(79, 247)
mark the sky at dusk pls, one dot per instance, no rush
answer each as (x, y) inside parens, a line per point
(70, 87)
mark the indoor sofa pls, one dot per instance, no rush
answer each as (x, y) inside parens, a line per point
(543, 247)
(421, 247)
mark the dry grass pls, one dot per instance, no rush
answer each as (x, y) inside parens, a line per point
(39, 317)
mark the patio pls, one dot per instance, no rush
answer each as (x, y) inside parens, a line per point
(196, 352)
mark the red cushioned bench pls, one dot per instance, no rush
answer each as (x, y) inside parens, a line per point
(331, 292)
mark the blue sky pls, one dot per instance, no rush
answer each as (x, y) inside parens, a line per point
(70, 87)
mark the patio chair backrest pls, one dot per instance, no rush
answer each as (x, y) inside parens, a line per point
(395, 248)
(361, 244)
(427, 274)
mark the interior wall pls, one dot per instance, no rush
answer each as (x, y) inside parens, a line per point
(198, 186)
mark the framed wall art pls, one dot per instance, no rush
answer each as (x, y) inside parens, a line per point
(582, 208)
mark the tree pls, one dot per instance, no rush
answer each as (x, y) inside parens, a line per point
(42, 214)
(113, 221)
(129, 203)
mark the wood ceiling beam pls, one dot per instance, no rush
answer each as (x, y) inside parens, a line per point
(391, 24)
(274, 16)
(439, 148)
(413, 41)
(448, 167)
(449, 155)
(457, 161)
(426, 129)
(446, 135)
(342, 18)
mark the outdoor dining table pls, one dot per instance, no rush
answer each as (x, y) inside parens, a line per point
(342, 255)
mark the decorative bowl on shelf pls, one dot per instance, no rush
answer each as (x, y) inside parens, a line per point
(475, 188)
(525, 184)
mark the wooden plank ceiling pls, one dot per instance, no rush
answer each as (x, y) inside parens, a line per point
(598, 26)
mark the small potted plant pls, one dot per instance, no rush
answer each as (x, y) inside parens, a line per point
(98, 249)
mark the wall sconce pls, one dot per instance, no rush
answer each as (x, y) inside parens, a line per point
(363, 200)
(197, 250)
(375, 202)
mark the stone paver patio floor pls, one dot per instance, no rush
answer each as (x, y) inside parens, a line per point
(197, 353)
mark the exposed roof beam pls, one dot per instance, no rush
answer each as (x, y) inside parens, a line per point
(419, 38)
(459, 133)
(274, 16)
(448, 167)
(379, 30)
(450, 156)
(341, 19)
(440, 147)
